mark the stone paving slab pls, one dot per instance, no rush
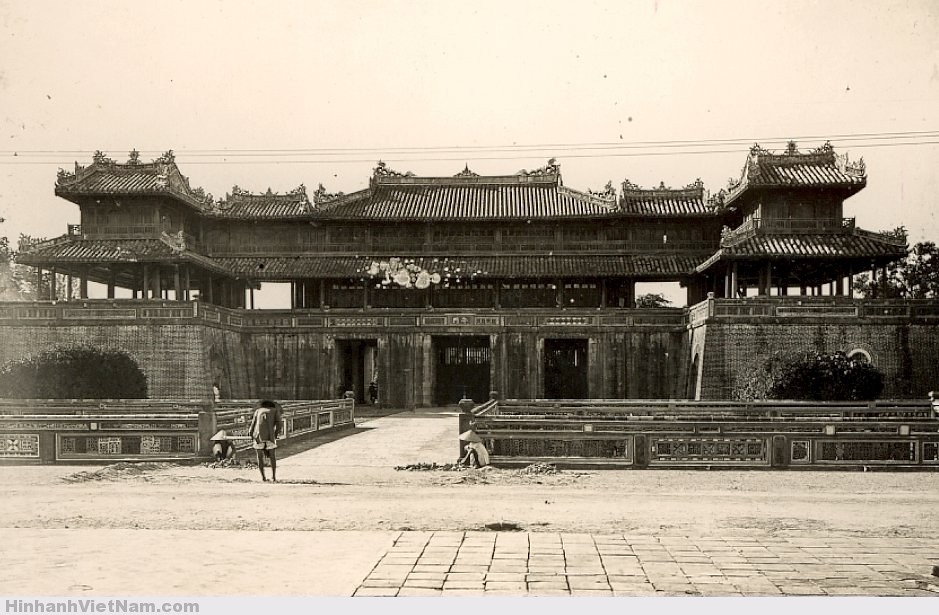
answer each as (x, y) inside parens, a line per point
(548, 564)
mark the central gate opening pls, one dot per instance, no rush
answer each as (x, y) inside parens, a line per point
(565, 369)
(358, 367)
(462, 368)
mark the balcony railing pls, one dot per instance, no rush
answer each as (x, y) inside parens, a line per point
(789, 225)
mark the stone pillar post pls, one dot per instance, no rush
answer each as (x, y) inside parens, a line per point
(207, 428)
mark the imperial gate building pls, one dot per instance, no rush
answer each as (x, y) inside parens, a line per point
(436, 288)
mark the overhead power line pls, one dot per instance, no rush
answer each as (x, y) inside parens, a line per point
(513, 151)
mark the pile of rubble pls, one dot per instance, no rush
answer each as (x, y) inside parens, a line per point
(540, 468)
(431, 467)
(116, 471)
(232, 463)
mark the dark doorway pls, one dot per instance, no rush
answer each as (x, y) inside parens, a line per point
(358, 367)
(565, 369)
(462, 369)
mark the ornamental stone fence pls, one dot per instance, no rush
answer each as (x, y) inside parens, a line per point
(689, 434)
(103, 431)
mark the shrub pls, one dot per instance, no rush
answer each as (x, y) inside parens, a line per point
(74, 372)
(827, 377)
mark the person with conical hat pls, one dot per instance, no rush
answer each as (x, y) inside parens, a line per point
(222, 447)
(264, 429)
(476, 454)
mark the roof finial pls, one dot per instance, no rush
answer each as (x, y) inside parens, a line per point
(791, 149)
(466, 172)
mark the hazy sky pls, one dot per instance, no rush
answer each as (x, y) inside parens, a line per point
(380, 76)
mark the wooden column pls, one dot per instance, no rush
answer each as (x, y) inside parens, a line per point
(727, 284)
(769, 278)
(186, 282)
(83, 283)
(251, 293)
(559, 288)
(851, 283)
(603, 293)
(734, 285)
(112, 282)
(208, 287)
(323, 296)
(293, 295)
(146, 282)
(68, 287)
(158, 283)
(53, 283)
(177, 284)
(39, 283)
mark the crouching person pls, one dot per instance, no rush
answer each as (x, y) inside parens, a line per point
(476, 454)
(222, 446)
(264, 430)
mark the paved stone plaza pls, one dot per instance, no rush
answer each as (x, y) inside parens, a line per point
(550, 564)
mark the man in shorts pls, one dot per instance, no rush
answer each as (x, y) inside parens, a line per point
(264, 430)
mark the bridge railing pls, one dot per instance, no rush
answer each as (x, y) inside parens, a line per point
(76, 430)
(641, 433)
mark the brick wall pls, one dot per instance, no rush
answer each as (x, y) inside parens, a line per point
(171, 356)
(905, 353)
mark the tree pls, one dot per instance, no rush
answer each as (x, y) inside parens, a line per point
(652, 300)
(827, 377)
(15, 282)
(915, 277)
(74, 372)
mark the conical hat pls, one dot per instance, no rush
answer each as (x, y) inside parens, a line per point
(470, 436)
(221, 436)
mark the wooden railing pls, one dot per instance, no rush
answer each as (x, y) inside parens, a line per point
(112, 310)
(831, 307)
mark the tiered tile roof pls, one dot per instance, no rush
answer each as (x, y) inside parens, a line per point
(76, 250)
(662, 201)
(855, 245)
(644, 266)
(819, 168)
(241, 204)
(105, 176)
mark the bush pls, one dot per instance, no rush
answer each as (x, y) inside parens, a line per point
(74, 372)
(827, 377)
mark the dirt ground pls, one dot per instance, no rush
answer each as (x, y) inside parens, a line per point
(698, 503)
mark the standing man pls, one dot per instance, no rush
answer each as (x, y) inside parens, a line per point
(264, 430)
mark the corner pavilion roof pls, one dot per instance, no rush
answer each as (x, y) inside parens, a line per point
(104, 176)
(857, 245)
(819, 168)
(74, 250)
